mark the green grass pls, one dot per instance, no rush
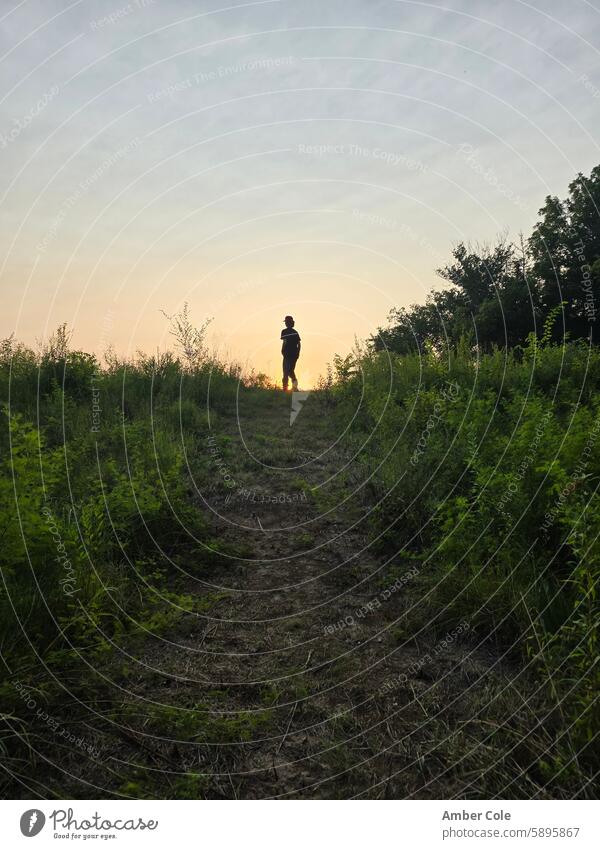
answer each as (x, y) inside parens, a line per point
(99, 524)
(498, 509)
(480, 489)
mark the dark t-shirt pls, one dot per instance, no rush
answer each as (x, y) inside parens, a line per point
(291, 343)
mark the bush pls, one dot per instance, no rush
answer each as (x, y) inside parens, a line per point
(486, 468)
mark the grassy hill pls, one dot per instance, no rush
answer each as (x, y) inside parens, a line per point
(391, 595)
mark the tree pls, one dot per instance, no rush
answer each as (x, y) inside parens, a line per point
(490, 302)
(565, 254)
(498, 295)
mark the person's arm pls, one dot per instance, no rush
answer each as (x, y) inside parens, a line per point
(298, 347)
(282, 343)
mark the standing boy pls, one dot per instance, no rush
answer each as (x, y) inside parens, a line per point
(290, 349)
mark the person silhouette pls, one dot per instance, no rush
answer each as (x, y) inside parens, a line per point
(290, 349)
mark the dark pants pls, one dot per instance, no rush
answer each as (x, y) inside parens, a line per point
(289, 364)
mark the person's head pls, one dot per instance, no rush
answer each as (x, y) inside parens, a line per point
(289, 321)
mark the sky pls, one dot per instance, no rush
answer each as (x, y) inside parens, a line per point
(259, 159)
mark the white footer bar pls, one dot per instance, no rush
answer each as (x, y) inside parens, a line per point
(301, 825)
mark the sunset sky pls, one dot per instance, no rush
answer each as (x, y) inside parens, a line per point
(274, 157)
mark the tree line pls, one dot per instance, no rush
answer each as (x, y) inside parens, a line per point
(499, 294)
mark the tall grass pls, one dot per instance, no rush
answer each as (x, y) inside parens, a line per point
(98, 470)
(480, 472)
(485, 471)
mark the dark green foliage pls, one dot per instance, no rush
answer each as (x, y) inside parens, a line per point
(487, 470)
(499, 295)
(565, 254)
(98, 472)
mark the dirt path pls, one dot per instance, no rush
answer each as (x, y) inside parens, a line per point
(299, 680)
